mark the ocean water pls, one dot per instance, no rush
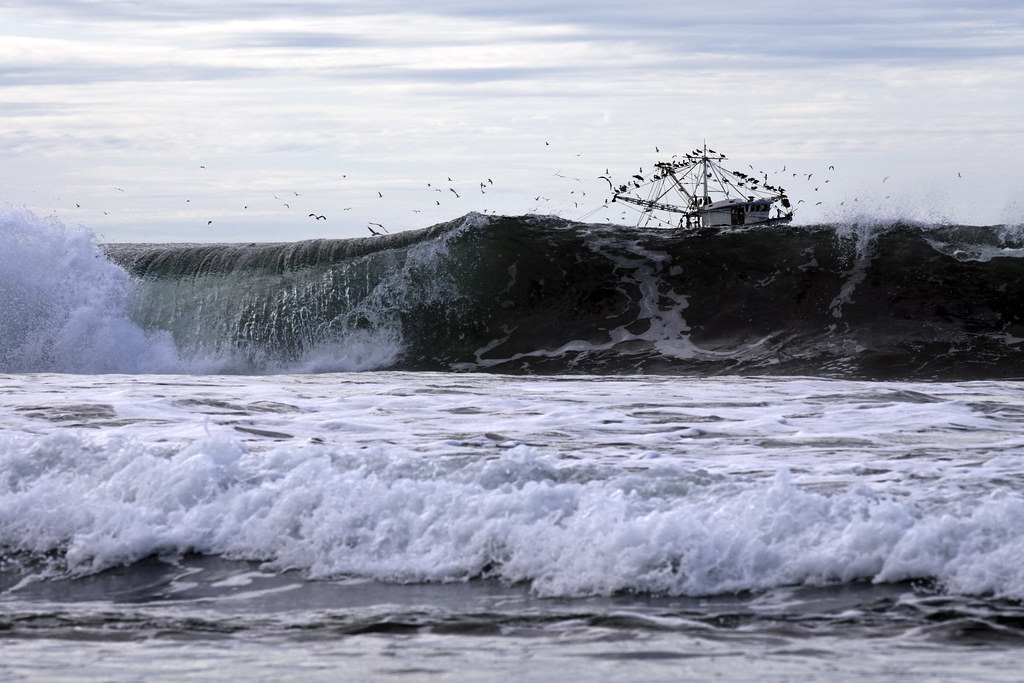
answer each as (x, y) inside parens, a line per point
(513, 448)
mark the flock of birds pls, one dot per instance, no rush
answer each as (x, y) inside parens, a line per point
(445, 189)
(448, 189)
(380, 229)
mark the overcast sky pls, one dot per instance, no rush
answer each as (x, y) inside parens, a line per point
(200, 120)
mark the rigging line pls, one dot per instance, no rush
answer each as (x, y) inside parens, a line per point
(719, 176)
(591, 213)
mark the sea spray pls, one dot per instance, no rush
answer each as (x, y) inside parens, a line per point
(64, 306)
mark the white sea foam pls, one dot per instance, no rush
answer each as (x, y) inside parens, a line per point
(577, 486)
(63, 306)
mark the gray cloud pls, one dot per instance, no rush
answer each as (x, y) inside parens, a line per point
(870, 30)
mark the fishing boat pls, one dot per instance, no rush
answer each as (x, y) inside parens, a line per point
(697, 191)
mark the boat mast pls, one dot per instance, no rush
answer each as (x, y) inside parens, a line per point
(704, 172)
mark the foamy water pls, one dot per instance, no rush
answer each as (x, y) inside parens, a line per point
(577, 486)
(878, 520)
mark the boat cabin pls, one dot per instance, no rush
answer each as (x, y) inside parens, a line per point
(735, 212)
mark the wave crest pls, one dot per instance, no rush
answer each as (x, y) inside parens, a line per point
(530, 294)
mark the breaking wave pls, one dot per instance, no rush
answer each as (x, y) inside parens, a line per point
(530, 294)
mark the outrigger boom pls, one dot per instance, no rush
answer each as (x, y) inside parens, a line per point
(697, 191)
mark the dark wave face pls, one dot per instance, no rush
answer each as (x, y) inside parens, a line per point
(542, 295)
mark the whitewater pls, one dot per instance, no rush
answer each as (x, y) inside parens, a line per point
(513, 447)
